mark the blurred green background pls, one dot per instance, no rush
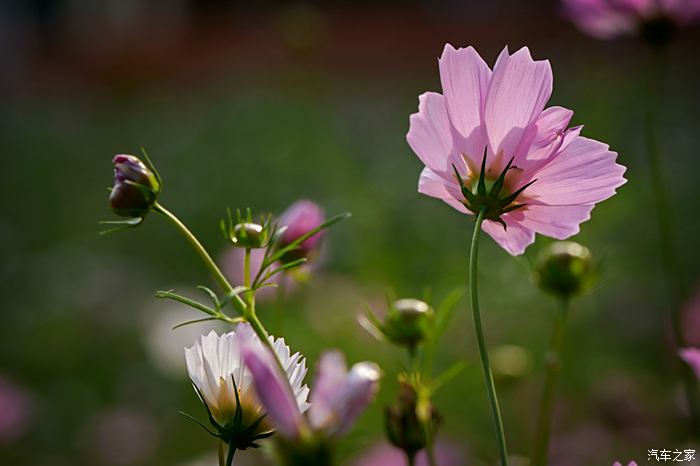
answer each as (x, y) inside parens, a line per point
(260, 105)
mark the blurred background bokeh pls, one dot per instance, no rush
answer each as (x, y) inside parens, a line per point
(262, 103)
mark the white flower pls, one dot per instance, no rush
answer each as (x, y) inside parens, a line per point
(215, 362)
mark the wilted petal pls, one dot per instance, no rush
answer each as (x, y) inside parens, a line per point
(518, 92)
(465, 77)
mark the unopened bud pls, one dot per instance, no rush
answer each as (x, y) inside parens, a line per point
(408, 322)
(136, 187)
(249, 235)
(404, 428)
(564, 269)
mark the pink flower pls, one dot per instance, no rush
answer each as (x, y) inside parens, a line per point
(631, 463)
(609, 18)
(692, 357)
(384, 454)
(299, 219)
(691, 320)
(539, 176)
(338, 397)
(15, 411)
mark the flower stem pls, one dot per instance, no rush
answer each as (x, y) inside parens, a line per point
(553, 368)
(675, 285)
(229, 457)
(483, 353)
(246, 308)
(222, 453)
(410, 459)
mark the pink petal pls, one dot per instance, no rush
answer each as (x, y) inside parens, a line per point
(518, 92)
(555, 221)
(465, 77)
(600, 18)
(692, 357)
(435, 185)
(273, 391)
(514, 239)
(549, 131)
(339, 396)
(584, 172)
(429, 134)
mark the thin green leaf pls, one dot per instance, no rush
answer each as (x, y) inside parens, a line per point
(446, 376)
(445, 311)
(212, 295)
(192, 418)
(297, 242)
(152, 167)
(120, 224)
(196, 321)
(190, 302)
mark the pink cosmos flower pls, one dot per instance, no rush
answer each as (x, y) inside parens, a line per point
(338, 396)
(609, 18)
(692, 357)
(489, 143)
(383, 454)
(631, 463)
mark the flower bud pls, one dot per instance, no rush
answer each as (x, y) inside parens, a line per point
(297, 220)
(404, 428)
(564, 269)
(249, 235)
(136, 187)
(408, 322)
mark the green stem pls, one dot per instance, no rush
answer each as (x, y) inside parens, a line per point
(553, 368)
(483, 353)
(246, 308)
(675, 284)
(430, 444)
(222, 453)
(229, 457)
(410, 459)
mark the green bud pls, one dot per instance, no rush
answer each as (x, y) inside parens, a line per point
(136, 187)
(404, 428)
(249, 235)
(565, 269)
(408, 322)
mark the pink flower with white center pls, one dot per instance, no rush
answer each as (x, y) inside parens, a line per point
(488, 143)
(605, 19)
(338, 396)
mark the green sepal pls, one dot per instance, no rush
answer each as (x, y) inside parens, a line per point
(120, 224)
(498, 185)
(507, 200)
(481, 186)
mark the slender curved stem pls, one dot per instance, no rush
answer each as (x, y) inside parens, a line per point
(229, 457)
(246, 308)
(553, 368)
(675, 284)
(483, 353)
